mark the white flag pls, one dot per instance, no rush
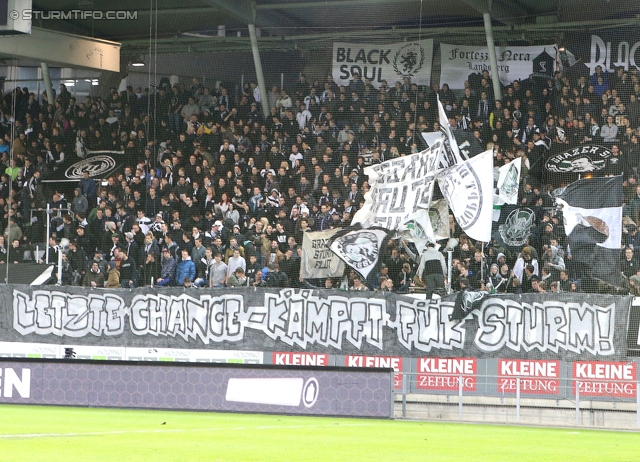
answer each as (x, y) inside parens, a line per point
(318, 261)
(431, 137)
(451, 153)
(418, 229)
(468, 188)
(399, 187)
(509, 181)
(439, 215)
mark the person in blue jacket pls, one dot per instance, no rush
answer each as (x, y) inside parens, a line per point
(186, 268)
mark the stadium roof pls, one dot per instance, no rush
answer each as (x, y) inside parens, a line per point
(192, 25)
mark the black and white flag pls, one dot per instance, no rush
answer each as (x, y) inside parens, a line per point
(517, 227)
(359, 248)
(466, 302)
(451, 153)
(439, 216)
(399, 188)
(592, 210)
(99, 165)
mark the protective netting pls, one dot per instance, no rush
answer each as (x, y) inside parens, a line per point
(184, 144)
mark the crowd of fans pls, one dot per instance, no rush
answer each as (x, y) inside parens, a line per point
(214, 194)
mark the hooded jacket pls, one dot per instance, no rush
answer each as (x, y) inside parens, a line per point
(80, 203)
(556, 259)
(168, 268)
(97, 277)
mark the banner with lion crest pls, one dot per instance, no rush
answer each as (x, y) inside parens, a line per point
(383, 62)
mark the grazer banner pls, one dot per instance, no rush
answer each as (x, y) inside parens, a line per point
(390, 63)
(514, 63)
(531, 326)
(318, 261)
(201, 387)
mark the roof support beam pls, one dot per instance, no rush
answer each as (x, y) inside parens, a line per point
(327, 4)
(507, 12)
(63, 49)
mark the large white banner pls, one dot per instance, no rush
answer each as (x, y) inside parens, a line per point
(318, 261)
(399, 187)
(390, 62)
(514, 63)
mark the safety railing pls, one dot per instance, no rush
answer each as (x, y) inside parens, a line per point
(591, 401)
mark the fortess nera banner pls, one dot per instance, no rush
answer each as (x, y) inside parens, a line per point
(547, 326)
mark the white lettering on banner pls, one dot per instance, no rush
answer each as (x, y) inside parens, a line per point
(446, 365)
(391, 362)
(536, 376)
(534, 368)
(530, 386)
(446, 373)
(9, 381)
(62, 314)
(598, 378)
(300, 359)
(602, 55)
(514, 63)
(601, 370)
(303, 318)
(427, 327)
(399, 187)
(207, 318)
(379, 63)
(547, 326)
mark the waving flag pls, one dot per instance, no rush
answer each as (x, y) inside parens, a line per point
(592, 210)
(468, 189)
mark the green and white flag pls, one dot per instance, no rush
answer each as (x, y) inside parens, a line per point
(509, 181)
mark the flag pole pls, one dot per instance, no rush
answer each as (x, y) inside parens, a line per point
(450, 263)
(482, 264)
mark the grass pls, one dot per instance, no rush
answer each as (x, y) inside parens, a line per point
(35, 433)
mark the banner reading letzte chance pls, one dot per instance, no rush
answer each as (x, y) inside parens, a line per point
(581, 327)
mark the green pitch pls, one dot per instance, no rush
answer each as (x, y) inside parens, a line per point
(30, 433)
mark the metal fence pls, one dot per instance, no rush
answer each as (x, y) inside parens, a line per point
(600, 403)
